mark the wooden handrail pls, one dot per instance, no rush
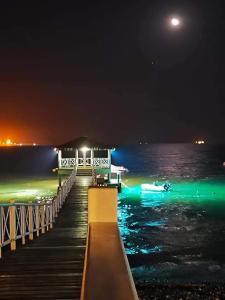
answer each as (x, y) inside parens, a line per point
(18, 220)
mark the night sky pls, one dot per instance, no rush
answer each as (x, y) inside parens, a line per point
(112, 70)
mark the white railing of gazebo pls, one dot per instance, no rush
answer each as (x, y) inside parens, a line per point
(95, 162)
(18, 220)
(101, 162)
(68, 162)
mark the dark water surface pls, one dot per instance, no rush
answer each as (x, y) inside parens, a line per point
(27, 161)
(176, 237)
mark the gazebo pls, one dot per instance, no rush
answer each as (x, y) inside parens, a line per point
(84, 153)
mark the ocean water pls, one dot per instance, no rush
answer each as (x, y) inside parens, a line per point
(174, 237)
(171, 237)
(26, 173)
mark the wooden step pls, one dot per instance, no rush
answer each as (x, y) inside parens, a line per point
(84, 172)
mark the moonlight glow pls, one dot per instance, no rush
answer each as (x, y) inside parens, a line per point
(175, 22)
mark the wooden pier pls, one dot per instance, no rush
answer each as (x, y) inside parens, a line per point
(81, 250)
(51, 266)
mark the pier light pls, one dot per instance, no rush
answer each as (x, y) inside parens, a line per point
(84, 149)
(200, 142)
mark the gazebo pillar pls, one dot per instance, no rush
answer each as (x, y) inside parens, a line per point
(109, 161)
(76, 157)
(59, 158)
(92, 157)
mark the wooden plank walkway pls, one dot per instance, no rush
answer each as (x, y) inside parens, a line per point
(50, 267)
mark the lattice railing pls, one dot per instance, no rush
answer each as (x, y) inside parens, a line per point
(95, 162)
(26, 219)
(84, 161)
(101, 162)
(68, 162)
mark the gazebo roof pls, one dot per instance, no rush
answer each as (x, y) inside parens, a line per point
(84, 141)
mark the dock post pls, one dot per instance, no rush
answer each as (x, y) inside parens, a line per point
(47, 209)
(30, 218)
(42, 219)
(23, 224)
(51, 215)
(12, 225)
(54, 209)
(60, 181)
(37, 220)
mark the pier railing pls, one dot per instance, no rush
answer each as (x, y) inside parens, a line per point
(21, 220)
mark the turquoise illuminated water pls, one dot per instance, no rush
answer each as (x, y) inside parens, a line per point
(176, 236)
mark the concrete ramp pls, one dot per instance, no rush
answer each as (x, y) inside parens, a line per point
(107, 273)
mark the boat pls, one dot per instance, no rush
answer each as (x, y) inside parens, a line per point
(146, 187)
(118, 169)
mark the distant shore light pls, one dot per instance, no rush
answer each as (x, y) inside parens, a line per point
(200, 142)
(8, 142)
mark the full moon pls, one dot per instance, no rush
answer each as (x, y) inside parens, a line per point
(175, 22)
